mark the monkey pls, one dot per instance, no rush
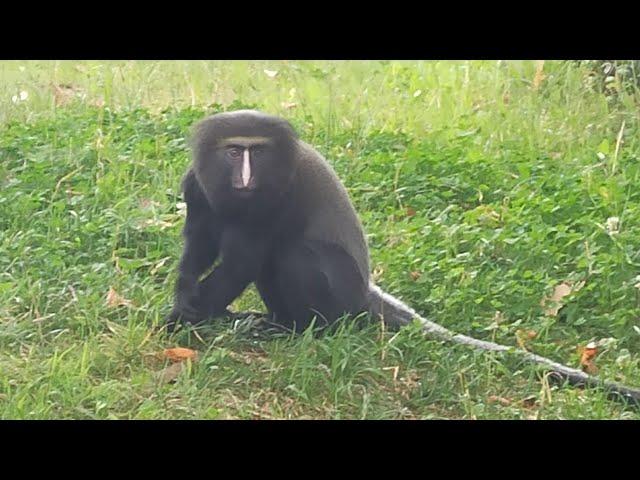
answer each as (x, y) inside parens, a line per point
(272, 210)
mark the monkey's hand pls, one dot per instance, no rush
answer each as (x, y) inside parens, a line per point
(188, 306)
(192, 318)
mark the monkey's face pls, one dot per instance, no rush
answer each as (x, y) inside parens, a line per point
(245, 168)
(244, 157)
(246, 163)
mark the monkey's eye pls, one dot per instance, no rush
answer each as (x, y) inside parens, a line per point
(235, 152)
(257, 151)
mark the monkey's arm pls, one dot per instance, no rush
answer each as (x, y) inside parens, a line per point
(202, 239)
(242, 259)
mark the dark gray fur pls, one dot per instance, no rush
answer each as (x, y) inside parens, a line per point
(296, 235)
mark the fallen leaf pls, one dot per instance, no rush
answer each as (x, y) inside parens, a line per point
(114, 299)
(180, 354)
(530, 401)
(410, 212)
(587, 358)
(415, 275)
(289, 105)
(559, 292)
(271, 73)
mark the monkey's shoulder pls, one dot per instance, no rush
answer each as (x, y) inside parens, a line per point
(322, 197)
(188, 181)
(317, 177)
(192, 191)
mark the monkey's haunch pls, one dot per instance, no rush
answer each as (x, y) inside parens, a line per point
(396, 313)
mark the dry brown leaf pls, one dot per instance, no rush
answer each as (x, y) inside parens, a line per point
(180, 354)
(171, 373)
(560, 292)
(539, 75)
(587, 358)
(114, 299)
(289, 105)
(555, 301)
(410, 212)
(415, 275)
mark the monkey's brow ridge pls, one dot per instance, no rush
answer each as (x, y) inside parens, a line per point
(244, 141)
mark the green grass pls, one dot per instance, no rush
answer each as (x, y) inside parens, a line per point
(479, 194)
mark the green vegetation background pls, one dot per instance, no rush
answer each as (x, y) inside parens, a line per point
(482, 185)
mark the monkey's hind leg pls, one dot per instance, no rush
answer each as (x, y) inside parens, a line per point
(312, 279)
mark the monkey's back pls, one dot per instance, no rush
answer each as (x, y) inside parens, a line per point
(331, 215)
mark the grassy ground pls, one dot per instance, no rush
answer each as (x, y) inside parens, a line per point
(482, 187)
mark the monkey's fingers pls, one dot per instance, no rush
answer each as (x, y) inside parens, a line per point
(181, 315)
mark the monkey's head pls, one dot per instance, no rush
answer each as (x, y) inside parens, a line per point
(244, 156)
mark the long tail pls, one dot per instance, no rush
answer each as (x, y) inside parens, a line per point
(396, 313)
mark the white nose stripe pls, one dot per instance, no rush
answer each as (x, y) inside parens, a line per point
(246, 168)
